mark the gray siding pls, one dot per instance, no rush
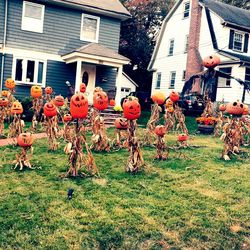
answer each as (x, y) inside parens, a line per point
(107, 73)
(61, 30)
(2, 4)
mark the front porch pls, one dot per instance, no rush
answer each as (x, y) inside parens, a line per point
(97, 65)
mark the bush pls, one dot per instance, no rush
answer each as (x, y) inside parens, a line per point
(27, 109)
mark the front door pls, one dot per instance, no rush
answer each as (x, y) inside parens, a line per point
(89, 78)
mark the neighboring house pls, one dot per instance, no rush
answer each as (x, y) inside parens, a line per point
(128, 85)
(49, 42)
(195, 29)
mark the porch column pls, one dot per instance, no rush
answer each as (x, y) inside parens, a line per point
(78, 75)
(118, 85)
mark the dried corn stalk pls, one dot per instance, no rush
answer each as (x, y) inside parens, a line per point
(180, 120)
(219, 124)
(37, 104)
(3, 111)
(121, 139)
(23, 159)
(209, 110)
(52, 130)
(169, 121)
(68, 132)
(161, 148)
(16, 127)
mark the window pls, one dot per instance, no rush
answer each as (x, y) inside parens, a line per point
(223, 82)
(171, 47)
(186, 10)
(184, 75)
(90, 28)
(238, 41)
(158, 81)
(33, 16)
(172, 79)
(127, 90)
(186, 44)
(247, 76)
(29, 71)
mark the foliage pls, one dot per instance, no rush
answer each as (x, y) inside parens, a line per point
(245, 4)
(27, 107)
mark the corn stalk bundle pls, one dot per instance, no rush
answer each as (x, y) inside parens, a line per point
(16, 127)
(245, 125)
(3, 112)
(180, 120)
(52, 130)
(209, 110)
(220, 121)
(68, 132)
(11, 99)
(121, 139)
(37, 104)
(169, 121)
(23, 159)
(161, 148)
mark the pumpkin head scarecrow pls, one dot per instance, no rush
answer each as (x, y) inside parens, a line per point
(79, 106)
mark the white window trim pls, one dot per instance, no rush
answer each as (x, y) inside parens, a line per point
(97, 29)
(170, 79)
(243, 40)
(230, 80)
(157, 77)
(169, 45)
(23, 27)
(184, 4)
(24, 82)
(186, 43)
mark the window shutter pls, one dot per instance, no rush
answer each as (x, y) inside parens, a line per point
(231, 39)
(246, 42)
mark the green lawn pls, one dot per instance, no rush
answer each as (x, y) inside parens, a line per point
(191, 201)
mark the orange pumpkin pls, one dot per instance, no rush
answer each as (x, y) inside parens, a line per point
(67, 117)
(131, 108)
(10, 83)
(160, 130)
(82, 88)
(170, 110)
(245, 110)
(79, 106)
(36, 91)
(182, 137)
(222, 107)
(48, 90)
(59, 101)
(112, 102)
(5, 93)
(25, 140)
(49, 109)
(100, 100)
(235, 108)
(4, 102)
(158, 97)
(121, 123)
(16, 108)
(174, 96)
(169, 103)
(211, 61)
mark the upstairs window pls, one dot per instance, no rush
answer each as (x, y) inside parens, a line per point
(186, 44)
(171, 47)
(223, 82)
(186, 10)
(90, 28)
(238, 41)
(183, 75)
(158, 80)
(172, 79)
(33, 17)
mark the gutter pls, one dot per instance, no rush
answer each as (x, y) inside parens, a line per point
(4, 43)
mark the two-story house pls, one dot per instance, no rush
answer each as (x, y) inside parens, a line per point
(49, 42)
(195, 29)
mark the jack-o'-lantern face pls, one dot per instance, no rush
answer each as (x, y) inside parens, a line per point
(10, 83)
(169, 103)
(100, 100)
(160, 130)
(4, 102)
(36, 91)
(49, 109)
(48, 90)
(182, 137)
(174, 96)
(245, 110)
(131, 108)
(211, 61)
(235, 108)
(5, 93)
(158, 97)
(16, 108)
(25, 140)
(79, 106)
(67, 118)
(121, 123)
(82, 88)
(222, 107)
(59, 101)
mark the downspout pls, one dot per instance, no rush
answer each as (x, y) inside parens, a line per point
(4, 42)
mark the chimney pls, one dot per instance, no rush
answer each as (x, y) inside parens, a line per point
(194, 61)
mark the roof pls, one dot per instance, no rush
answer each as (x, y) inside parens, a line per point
(96, 49)
(230, 14)
(133, 82)
(240, 57)
(112, 8)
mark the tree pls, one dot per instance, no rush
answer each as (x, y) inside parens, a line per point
(245, 4)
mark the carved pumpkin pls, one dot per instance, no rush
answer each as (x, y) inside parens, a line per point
(16, 108)
(160, 130)
(182, 137)
(10, 83)
(158, 97)
(25, 140)
(245, 110)
(174, 96)
(49, 109)
(67, 118)
(211, 61)
(170, 110)
(100, 100)
(222, 107)
(169, 103)
(48, 90)
(59, 101)
(36, 91)
(112, 102)
(79, 106)
(4, 102)
(5, 93)
(82, 88)
(235, 108)
(121, 123)
(131, 108)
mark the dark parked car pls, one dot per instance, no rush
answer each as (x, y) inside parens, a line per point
(192, 103)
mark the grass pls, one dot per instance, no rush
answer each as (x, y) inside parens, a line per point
(197, 202)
